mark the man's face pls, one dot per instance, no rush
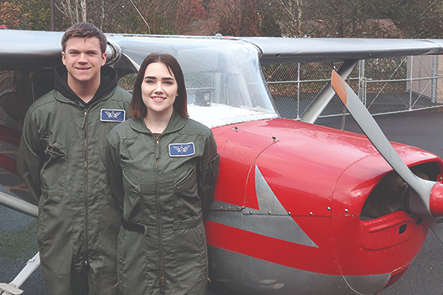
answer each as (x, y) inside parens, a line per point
(83, 59)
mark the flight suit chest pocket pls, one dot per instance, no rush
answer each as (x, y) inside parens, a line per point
(186, 177)
(131, 178)
(187, 203)
(138, 170)
(53, 173)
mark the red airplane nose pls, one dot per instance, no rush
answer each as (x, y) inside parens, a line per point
(436, 200)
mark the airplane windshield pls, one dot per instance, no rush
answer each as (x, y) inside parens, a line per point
(223, 78)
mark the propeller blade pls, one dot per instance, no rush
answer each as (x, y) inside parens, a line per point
(429, 193)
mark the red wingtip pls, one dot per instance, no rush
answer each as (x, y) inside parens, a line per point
(436, 200)
(339, 87)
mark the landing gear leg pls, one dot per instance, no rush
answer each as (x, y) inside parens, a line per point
(13, 287)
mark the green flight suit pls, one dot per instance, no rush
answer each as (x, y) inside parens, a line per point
(61, 159)
(165, 183)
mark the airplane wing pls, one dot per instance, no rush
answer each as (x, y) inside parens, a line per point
(29, 48)
(37, 48)
(300, 50)
(24, 46)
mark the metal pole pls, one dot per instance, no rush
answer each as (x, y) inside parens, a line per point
(298, 91)
(434, 78)
(411, 73)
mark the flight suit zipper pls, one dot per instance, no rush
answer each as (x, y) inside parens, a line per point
(85, 158)
(159, 223)
(86, 201)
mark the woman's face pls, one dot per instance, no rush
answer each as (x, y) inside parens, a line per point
(159, 89)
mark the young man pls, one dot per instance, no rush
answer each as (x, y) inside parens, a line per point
(61, 160)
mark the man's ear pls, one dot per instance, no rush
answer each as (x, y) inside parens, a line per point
(63, 58)
(104, 55)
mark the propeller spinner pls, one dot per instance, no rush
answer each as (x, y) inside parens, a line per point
(427, 199)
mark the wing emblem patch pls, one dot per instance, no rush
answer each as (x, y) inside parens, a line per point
(181, 149)
(112, 115)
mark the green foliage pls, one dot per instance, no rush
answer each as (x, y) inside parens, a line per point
(347, 18)
(225, 26)
(270, 27)
(206, 4)
(249, 24)
(163, 31)
(12, 16)
(416, 18)
(40, 14)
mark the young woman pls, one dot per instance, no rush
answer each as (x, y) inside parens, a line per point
(162, 167)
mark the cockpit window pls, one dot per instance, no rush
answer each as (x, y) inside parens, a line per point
(223, 78)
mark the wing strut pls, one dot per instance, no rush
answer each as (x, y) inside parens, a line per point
(18, 205)
(13, 287)
(325, 96)
(427, 199)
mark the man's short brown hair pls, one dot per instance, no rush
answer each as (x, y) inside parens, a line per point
(85, 30)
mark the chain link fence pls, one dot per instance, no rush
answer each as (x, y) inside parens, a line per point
(385, 85)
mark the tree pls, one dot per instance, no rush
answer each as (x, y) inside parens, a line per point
(291, 16)
(188, 12)
(335, 18)
(228, 14)
(36, 14)
(416, 19)
(74, 10)
(249, 24)
(315, 18)
(12, 16)
(39, 13)
(269, 26)
(117, 16)
(236, 17)
(345, 18)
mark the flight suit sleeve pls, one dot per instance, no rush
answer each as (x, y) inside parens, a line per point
(30, 157)
(209, 166)
(113, 169)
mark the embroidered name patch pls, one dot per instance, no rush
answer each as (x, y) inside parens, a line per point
(181, 149)
(112, 115)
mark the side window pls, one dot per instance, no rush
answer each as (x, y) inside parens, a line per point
(18, 90)
(7, 80)
(127, 82)
(14, 98)
(42, 83)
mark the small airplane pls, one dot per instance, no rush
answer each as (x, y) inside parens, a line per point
(298, 208)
